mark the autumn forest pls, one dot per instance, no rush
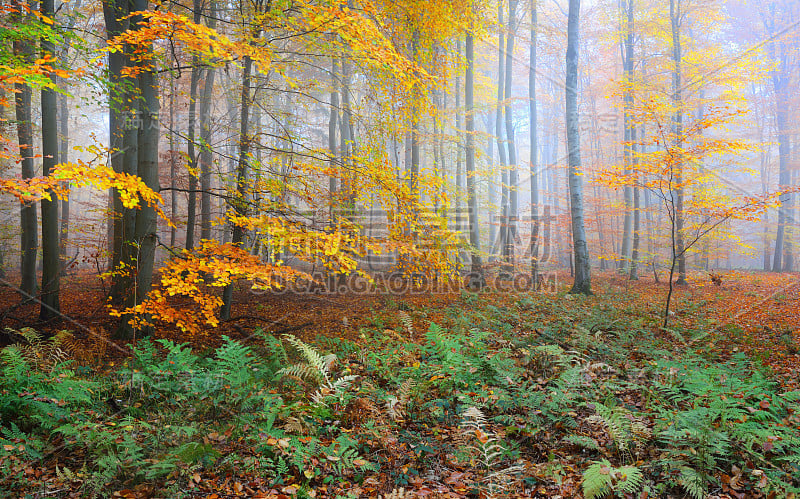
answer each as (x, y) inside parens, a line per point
(353, 248)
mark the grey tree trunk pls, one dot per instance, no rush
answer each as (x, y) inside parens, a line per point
(29, 228)
(634, 160)
(332, 122)
(476, 276)
(51, 270)
(63, 157)
(780, 83)
(502, 240)
(415, 129)
(459, 145)
(534, 152)
(627, 63)
(240, 206)
(582, 283)
(513, 173)
(206, 151)
(677, 101)
(173, 167)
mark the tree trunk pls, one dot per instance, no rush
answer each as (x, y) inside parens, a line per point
(476, 276)
(240, 206)
(112, 13)
(582, 283)
(677, 102)
(173, 167)
(63, 157)
(498, 129)
(627, 63)
(513, 173)
(632, 157)
(206, 151)
(534, 143)
(51, 270)
(459, 145)
(29, 229)
(191, 214)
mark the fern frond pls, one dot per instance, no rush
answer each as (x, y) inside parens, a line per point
(319, 362)
(302, 371)
(693, 482)
(597, 480)
(407, 322)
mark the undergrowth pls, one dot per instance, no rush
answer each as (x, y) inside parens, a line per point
(493, 399)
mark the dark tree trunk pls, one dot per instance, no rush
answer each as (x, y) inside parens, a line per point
(191, 212)
(29, 227)
(240, 201)
(51, 270)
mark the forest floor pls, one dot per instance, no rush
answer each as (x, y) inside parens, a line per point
(453, 394)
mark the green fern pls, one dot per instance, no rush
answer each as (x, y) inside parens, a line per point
(694, 482)
(625, 429)
(601, 478)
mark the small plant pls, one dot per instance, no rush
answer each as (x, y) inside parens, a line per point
(490, 451)
(601, 478)
(317, 368)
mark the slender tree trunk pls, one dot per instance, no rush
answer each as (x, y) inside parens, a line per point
(459, 155)
(627, 63)
(191, 215)
(240, 205)
(173, 167)
(51, 270)
(534, 143)
(63, 157)
(501, 147)
(332, 122)
(677, 101)
(513, 173)
(476, 276)
(206, 151)
(117, 104)
(415, 129)
(582, 282)
(29, 227)
(632, 156)
(781, 89)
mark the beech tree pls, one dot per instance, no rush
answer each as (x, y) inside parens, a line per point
(582, 282)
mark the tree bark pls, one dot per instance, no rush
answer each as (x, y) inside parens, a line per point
(498, 128)
(534, 144)
(677, 102)
(206, 151)
(476, 276)
(513, 173)
(627, 63)
(51, 270)
(29, 230)
(582, 283)
(194, 82)
(240, 206)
